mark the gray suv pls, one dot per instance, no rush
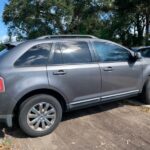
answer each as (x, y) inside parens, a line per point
(42, 78)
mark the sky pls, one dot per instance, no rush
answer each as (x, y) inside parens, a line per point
(3, 27)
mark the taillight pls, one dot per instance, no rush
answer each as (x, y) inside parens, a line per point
(2, 86)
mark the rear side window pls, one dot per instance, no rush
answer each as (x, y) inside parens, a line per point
(75, 52)
(35, 56)
(57, 56)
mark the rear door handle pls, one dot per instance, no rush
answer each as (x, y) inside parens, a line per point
(59, 72)
(108, 69)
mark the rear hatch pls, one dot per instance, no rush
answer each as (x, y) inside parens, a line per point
(5, 54)
(8, 47)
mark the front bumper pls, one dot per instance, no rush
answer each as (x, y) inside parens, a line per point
(7, 119)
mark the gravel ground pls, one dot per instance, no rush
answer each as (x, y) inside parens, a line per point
(113, 126)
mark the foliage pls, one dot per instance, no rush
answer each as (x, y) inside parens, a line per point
(126, 22)
(1, 46)
(137, 16)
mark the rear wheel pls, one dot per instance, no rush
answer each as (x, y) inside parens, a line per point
(40, 115)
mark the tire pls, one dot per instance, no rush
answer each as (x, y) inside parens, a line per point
(36, 110)
(146, 92)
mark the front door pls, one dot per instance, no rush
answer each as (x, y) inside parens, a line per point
(120, 75)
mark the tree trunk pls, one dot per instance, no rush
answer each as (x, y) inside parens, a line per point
(139, 30)
(147, 28)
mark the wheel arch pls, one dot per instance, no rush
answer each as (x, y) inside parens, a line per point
(51, 92)
(144, 83)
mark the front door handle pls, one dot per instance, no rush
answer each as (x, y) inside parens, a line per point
(108, 69)
(59, 72)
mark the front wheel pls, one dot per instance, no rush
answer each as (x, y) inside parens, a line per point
(40, 115)
(146, 92)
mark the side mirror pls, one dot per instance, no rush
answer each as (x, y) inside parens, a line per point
(137, 55)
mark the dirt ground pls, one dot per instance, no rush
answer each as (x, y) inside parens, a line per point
(119, 125)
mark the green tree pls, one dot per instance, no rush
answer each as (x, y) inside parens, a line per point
(33, 18)
(126, 22)
(1, 46)
(136, 15)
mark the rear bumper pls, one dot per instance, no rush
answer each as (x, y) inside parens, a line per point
(7, 119)
(6, 108)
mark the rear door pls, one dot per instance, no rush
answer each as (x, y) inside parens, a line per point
(120, 75)
(73, 72)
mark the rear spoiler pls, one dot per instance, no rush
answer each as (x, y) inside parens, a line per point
(11, 45)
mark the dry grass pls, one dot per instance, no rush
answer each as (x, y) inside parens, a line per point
(145, 109)
(5, 144)
(140, 106)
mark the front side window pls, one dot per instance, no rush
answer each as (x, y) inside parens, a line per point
(35, 56)
(76, 52)
(108, 52)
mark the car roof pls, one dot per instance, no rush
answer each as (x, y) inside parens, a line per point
(53, 38)
(40, 41)
(60, 39)
(72, 36)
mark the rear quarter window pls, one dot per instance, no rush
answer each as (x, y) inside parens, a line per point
(35, 56)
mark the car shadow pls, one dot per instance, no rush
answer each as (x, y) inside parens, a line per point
(2, 133)
(16, 132)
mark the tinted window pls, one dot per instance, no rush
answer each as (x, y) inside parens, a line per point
(3, 52)
(76, 52)
(36, 56)
(111, 52)
(146, 52)
(57, 57)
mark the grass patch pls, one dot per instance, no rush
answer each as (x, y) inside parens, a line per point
(5, 144)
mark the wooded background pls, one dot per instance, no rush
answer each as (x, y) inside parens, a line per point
(124, 21)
